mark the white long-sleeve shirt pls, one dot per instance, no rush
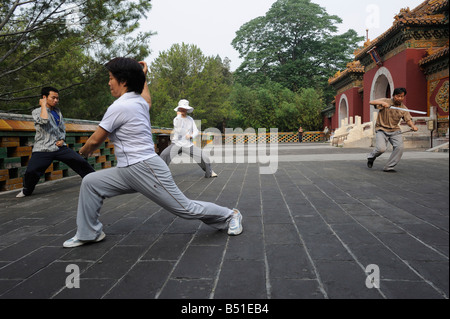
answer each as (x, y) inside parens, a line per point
(183, 126)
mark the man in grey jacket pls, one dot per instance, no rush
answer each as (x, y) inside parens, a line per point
(49, 144)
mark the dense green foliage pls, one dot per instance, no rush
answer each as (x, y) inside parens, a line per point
(64, 43)
(183, 72)
(288, 54)
(295, 45)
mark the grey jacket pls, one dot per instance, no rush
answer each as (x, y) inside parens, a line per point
(47, 132)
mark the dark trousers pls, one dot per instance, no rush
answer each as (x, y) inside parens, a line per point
(40, 161)
(300, 137)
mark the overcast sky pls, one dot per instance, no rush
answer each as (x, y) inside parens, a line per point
(212, 24)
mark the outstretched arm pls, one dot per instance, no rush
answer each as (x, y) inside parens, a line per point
(94, 142)
(379, 102)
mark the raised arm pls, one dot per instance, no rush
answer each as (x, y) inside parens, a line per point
(145, 92)
(43, 104)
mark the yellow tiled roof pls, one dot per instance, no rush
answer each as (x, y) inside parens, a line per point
(352, 67)
(434, 55)
(430, 12)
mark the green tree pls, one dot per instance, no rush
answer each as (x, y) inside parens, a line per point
(310, 105)
(270, 105)
(184, 72)
(295, 45)
(64, 43)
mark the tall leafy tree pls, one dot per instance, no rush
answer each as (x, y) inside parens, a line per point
(64, 43)
(184, 72)
(294, 44)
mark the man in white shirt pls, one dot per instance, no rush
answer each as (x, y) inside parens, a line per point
(184, 130)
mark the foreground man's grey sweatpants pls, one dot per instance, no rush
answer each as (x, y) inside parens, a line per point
(382, 140)
(151, 178)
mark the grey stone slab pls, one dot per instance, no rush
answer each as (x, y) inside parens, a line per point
(31, 263)
(156, 224)
(209, 236)
(427, 233)
(312, 224)
(298, 267)
(354, 233)
(183, 226)
(133, 239)
(115, 263)
(143, 281)
(435, 272)
(241, 279)
(409, 248)
(7, 284)
(19, 234)
(199, 262)
(187, 289)
(282, 234)
(378, 224)
(19, 249)
(124, 225)
(282, 288)
(250, 244)
(332, 213)
(45, 283)
(409, 290)
(357, 209)
(276, 213)
(167, 247)
(61, 228)
(92, 288)
(326, 247)
(249, 247)
(390, 265)
(345, 278)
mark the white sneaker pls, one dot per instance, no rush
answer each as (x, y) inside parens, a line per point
(21, 194)
(235, 227)
(75, 242)
(214, 174)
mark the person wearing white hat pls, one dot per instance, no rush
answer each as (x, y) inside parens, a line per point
(184, 130)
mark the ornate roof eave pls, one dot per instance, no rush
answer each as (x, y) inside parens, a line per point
(329, 111)
(345, 79)
(353, 72)
(429, 13)
(436, 61)
(441, 53)
(330, 107)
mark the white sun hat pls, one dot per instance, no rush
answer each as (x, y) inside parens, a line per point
(184, 104)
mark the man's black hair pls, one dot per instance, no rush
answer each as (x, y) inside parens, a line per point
(129, 71)
(46, 90)
(398, 91)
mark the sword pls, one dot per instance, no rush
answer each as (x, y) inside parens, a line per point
(407, 110)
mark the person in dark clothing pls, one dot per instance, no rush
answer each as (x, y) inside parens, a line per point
(49, 143)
